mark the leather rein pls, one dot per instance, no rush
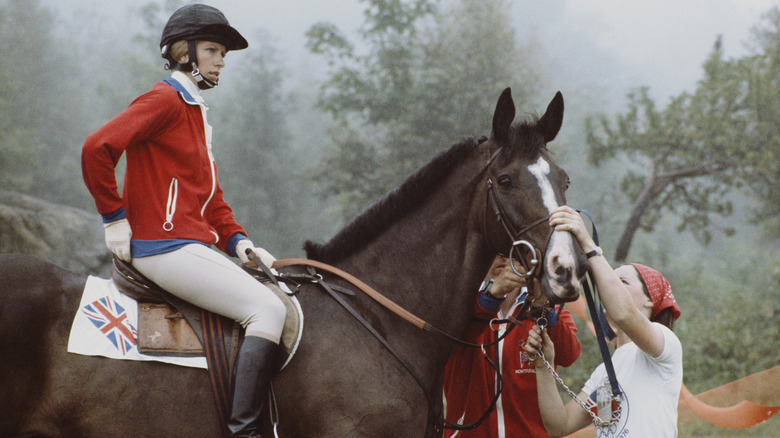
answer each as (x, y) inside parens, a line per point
(368, 290)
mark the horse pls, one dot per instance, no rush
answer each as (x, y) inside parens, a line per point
(426, 246)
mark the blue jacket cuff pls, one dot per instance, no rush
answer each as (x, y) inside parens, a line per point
(114, 215)
(233, 241)
(489, 303)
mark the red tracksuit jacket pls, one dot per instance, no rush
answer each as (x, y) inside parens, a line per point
(469, 381)
(170, 189)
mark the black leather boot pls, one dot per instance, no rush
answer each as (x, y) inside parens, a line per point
(255, 367)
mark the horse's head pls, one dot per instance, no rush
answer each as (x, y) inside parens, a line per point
(524, 186)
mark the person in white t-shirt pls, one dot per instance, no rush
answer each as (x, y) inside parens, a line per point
(639, 303)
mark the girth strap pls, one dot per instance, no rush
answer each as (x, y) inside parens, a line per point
(220, 372)
(317, 279)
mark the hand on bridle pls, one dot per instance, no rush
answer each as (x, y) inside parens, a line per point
(505, 281)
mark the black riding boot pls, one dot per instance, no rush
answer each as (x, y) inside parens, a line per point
(256, 365)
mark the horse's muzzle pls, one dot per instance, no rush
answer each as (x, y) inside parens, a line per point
(565, 267)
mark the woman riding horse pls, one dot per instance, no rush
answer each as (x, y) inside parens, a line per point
(172, 209)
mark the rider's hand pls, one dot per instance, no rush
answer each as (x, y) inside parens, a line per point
(539, 340)
(261, 253)
(567, 219)
(118, 234)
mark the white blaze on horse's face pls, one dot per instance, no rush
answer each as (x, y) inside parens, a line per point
(559, 261)
(541, 169)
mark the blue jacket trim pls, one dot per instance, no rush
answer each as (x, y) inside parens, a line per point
(114, 215)
(185, 95)
(233, 241)
(145, 248)
(490, 304)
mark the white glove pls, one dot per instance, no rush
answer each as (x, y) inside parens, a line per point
(118, 234)
(264, 255)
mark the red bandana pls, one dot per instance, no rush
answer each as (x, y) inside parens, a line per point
(659, 288)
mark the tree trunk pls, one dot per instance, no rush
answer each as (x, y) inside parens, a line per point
(651, 189)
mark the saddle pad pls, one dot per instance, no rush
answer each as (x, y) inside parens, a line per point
(106, 324)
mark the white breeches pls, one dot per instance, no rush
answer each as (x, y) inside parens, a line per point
(210, 280)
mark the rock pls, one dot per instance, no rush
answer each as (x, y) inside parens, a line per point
(66, 236)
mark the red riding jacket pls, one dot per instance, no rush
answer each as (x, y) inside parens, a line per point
(170, 191)
(469, 380)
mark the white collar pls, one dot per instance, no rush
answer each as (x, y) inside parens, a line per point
(188, 85)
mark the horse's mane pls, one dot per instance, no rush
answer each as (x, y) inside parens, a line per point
(412, 192)
(397, 203)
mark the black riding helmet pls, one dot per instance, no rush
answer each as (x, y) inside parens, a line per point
(198, 22)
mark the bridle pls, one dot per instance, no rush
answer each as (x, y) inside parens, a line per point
(532, 268)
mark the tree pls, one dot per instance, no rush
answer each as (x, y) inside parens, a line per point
(429, 76)
(38, 120)
(55, 94)
(687, 158)
(761, 85)
(259, 167)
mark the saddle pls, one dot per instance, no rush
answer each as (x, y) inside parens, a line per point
(167, 325)
(170, 326)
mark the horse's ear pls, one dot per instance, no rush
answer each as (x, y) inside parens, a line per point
(551, 121)
(504, 115)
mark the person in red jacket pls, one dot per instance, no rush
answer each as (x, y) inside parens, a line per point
(172, 210)
(470, 380)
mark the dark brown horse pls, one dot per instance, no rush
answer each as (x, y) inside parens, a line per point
(426, 246)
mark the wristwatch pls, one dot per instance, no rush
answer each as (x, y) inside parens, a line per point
(596, 252)
(485, 288)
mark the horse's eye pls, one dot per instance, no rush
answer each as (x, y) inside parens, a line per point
(504, 181)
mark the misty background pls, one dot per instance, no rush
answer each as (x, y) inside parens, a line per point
(301, 150)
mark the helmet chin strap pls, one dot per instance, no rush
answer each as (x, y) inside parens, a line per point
(203, 82)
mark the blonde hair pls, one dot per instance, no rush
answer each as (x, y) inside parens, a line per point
(178, 49)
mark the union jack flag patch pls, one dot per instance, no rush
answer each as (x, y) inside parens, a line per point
(110, 318)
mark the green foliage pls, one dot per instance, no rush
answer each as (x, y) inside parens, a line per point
(686, 158)
(47, 108)
(704, 429)
(429, 75)
(37, 126)
(730, 326)
(762, 148)
(260, 171)
(748, 314)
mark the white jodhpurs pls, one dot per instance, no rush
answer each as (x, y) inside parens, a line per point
(210, 280)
